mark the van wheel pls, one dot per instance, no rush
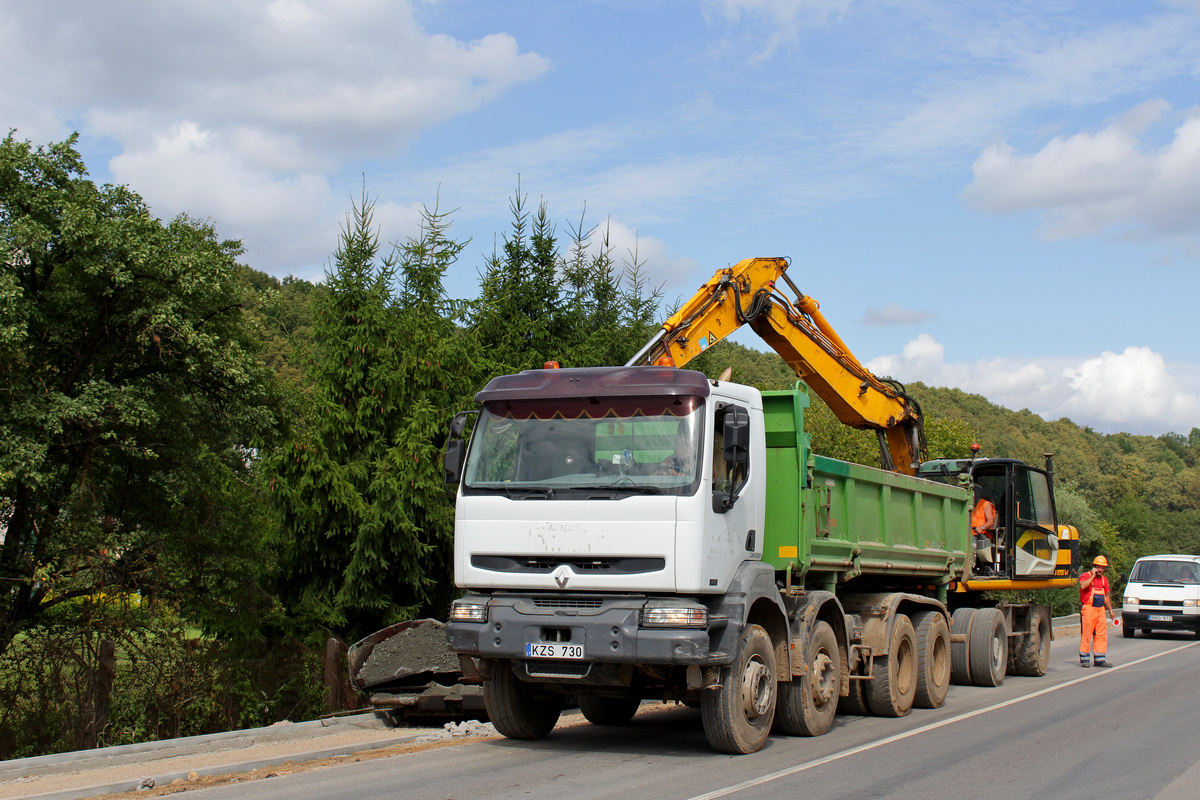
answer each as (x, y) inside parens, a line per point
(737, 715)
(1128, 631)
(807, 703)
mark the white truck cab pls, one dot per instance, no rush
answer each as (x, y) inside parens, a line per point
(1162, 593)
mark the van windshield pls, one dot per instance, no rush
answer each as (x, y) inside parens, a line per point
(1165, 572)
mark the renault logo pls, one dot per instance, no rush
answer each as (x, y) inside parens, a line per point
(562, 575)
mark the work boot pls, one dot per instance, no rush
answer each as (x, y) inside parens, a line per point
(1102, 664)
(1083, 660)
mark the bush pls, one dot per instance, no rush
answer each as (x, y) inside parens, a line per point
(167, 681)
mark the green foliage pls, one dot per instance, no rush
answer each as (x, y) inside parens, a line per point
(130, 399)
(366, 524)
(536, 305)
(167, 683)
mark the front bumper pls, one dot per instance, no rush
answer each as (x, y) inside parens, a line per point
(609, 632)
(1166, 620)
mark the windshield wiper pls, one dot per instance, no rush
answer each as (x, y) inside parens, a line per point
(634, 488)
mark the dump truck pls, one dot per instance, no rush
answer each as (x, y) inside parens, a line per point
(643, 532)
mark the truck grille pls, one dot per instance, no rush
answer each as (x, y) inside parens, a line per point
(562, 602)
(1171, 604)
(544, 565)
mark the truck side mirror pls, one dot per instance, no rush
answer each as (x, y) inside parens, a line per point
(452, 461)
(458, 425)
(737, 436)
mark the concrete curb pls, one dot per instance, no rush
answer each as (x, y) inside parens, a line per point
(223, 769)
(169, 748)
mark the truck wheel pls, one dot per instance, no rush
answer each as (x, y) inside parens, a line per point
(515, 709)
(808, 703)
(600, 710)
(933, 659)
(1128, 631)
(738, 714)
(960, 652)
(892, 691)
(1033, 655)
(855, 704)
(988, 647)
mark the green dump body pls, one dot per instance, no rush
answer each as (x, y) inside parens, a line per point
(831, 522)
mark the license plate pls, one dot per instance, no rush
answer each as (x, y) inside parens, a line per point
(559, 650)
(1161, 618)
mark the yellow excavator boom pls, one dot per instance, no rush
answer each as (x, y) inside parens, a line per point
(794, 327)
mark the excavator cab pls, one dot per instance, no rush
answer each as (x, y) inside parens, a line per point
(1022, 540)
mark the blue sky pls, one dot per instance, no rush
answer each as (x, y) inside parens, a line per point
(1000, 197)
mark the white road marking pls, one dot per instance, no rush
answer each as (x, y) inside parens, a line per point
(853, 751)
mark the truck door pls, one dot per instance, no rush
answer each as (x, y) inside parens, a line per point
(731, 534)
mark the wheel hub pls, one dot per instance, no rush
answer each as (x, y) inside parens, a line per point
(756, 688)
(822, 683)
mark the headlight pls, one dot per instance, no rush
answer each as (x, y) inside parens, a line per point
(1189, 603)
(467, 611)
(1131, 601)
(674, 617)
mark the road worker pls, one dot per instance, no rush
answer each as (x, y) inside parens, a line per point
(1096, 601)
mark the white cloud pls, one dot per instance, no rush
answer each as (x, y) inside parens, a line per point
(237, 111)
(785, 19)
(1104, 182)
(896, 314)
(1134, 391)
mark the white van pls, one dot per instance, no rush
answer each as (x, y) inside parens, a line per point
(1163, 593)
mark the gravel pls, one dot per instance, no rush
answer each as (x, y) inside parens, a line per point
(419, 649)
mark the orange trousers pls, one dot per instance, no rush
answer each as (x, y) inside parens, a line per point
(1093, 635)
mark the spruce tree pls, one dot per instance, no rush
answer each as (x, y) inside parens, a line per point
(366, 523)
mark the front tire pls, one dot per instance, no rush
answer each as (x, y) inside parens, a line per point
(894, 688)
(738, 714)
(515, 708)
(807, 704)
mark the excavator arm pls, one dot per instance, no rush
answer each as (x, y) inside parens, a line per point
(746, 293)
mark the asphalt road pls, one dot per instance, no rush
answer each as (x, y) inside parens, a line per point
(1127, 732)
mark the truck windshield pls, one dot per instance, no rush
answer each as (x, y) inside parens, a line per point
(567, 449)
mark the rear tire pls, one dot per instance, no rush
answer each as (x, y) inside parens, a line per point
(989, 647)
(738, 714)
(1033, 655)
(600, 710)
(960, 652)
(933, 659)
(854, 704)
(516, 709)
(892, 691)
(808, 703)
